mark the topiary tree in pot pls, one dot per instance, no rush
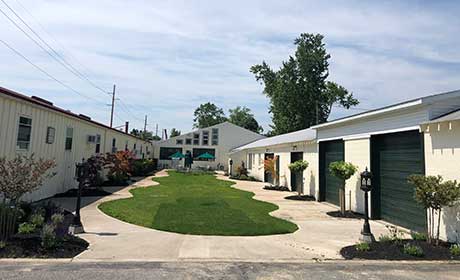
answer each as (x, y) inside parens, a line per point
(299, 167)
(434, 194)
(343, 171)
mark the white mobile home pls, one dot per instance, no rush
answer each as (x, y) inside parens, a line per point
(34, 125)
(216, 140)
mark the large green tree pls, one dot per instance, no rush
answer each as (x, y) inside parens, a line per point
(242, 116)
(208, 114)
(300, 95)
(174, 132)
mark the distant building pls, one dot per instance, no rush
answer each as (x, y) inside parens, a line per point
(34, 125)
(217, 140)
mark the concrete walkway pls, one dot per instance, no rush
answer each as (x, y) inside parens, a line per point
(319, 236)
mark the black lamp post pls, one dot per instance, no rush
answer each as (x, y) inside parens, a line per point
(231, 167)
(366, 186)
(81, 175)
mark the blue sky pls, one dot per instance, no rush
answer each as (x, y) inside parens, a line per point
(167, 57)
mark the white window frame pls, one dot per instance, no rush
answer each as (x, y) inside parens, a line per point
(30, 133)
(50, 135)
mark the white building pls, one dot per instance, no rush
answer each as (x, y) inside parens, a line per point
(33, 125)
(217, 140)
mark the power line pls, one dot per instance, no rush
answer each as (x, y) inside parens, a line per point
(45, 72)
(56, 56)
(126, 109)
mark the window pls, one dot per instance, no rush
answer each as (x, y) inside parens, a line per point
(114, 145)
(166, 152)
(50, 135)
(68, 138)
(98, 143)
(134, 147)
(250, 157)
(198, 152)
(196, 139)
(126, 145)
(179, 142)
(205, 138)
(24, 132)
(215, 136)
(188, 141)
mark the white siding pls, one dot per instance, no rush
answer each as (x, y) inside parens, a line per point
(10, 111)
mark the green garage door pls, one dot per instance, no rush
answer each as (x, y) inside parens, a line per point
(394, 158)
(330, 151)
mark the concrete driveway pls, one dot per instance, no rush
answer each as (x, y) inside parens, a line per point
(319, 236)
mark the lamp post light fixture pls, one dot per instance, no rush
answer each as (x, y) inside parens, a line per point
(366, 186)
(231, 167)
(81, 175)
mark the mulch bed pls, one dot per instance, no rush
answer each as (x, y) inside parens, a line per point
(348, 215)
(31, 248)
(301, 197)
(277, 188)
(394, 251)
(84, 193)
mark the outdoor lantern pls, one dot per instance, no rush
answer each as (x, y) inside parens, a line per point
(366, 186)
(366, 180)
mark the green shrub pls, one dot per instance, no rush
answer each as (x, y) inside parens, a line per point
(342, 170)
(298, 166)
(48, 236)
(385, 238)
(419, 236)
(37, 219)
(455, 250)
(413, 250)
(26, 228)
(57, 219)
(363, 247)
(244, 177)
(2, 245)
(395, 234)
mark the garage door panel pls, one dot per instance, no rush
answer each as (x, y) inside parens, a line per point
(332, 151)
(398, 156)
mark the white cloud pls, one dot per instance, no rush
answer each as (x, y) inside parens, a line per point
(167, 57)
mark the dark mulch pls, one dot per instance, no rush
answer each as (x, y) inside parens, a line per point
(277, 188)
(301, 197)
(115, 184)
(348, 215)
(394, 251)
(84, 193)
(31, 247)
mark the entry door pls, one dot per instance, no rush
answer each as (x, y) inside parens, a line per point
(395, 157)
(296, 177)
(330, 151)
(267, 175)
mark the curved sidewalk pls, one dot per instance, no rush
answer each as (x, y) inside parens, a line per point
(319, 236)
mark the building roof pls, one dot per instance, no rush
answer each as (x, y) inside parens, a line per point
(46, 104)
(406, 104)
(451, 116)
(292, 137)
(207, 128)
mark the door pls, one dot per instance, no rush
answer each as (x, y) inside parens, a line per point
(69, 163)
(395, 157)
(296, 177)
(330, 151)
(267, 175)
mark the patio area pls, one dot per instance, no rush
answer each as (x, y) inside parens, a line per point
(319, 236)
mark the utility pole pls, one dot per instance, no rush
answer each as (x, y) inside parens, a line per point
(156, 130)
(145, 124)
(113, 106)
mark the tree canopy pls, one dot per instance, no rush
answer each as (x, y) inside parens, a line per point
(208, 114)
(242, 116)
(174, 132)
(300, 95)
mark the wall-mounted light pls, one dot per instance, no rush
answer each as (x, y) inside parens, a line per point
(294, 148)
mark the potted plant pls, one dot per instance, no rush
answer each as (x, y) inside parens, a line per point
(299, 167)
(270, 167)
(343, 171)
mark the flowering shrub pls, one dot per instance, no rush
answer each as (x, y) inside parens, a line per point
(22, 175)
(120, 165)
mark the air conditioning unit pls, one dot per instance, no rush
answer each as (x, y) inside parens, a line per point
(91, 139)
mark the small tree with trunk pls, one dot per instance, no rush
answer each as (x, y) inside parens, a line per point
(434, 194)
(120, 165)
(23, 174)
(270, 167)
(299, 167)
(343, 171)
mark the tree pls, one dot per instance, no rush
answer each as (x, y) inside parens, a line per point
(23, 174)
(242, 116)
(208, 114)
(300, 95)
(299, 167)
(434, 194)
(174, 132)
(343, 171)
(145, 135)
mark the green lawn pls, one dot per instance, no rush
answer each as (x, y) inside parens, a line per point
(198, 204)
